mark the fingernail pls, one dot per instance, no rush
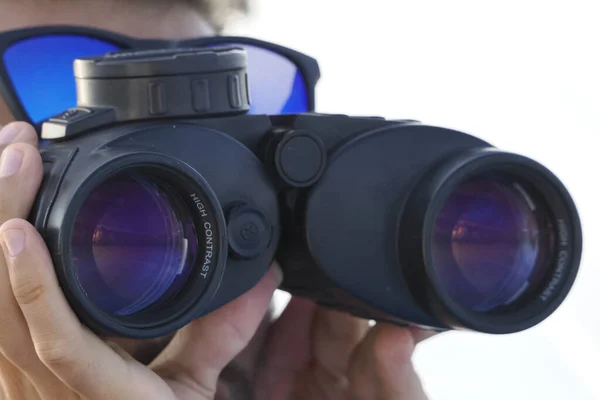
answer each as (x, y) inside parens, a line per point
(277, 274)
(14, 240)
(8, 133)
(11, 161)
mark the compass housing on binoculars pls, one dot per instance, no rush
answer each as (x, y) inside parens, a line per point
(163, 200)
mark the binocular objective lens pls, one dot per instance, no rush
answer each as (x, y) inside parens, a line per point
(134, 245)
(493, 242)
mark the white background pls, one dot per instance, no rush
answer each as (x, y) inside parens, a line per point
(524, 75)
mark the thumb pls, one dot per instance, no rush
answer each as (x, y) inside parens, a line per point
(199, 352)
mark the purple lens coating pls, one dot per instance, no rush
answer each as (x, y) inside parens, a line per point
(492, 243)
(132, 245)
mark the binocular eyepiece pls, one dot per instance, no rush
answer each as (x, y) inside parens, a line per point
(163, 200)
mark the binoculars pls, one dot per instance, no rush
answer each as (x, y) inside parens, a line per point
(163, 200)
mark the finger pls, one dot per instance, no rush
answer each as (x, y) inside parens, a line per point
(120, 351)
(21, 173)
(17, 132)
(287, 350)
(74, 354)
(381, 367)
(421, 335)
(17, 191)
(143, 350)
(17, 347)
(199, 352)
(13, 384)
(335, 337)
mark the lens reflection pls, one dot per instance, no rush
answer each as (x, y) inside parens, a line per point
(492, 242)
(132, 245)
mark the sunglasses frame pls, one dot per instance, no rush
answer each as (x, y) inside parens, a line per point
(307, 65)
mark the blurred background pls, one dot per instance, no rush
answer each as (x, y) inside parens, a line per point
(523, 75)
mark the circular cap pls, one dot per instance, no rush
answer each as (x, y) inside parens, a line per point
(160, 62)
(300, 158)
(249, 232)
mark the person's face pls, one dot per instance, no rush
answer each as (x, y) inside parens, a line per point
(129, 18)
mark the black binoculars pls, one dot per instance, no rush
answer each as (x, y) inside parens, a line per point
(163, 200)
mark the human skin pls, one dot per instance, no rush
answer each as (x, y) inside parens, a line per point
(233, 353)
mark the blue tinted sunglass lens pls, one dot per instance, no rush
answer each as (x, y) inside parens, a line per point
(277, 86)
(41, 71)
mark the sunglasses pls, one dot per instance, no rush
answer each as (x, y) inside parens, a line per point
(36, 69)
